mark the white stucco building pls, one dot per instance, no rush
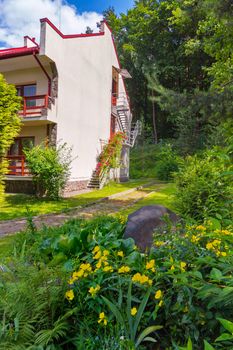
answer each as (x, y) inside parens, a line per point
(73, 90)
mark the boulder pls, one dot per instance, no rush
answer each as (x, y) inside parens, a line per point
(142, 223)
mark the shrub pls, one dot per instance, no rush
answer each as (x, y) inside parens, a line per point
(204, 187)
(9, 124)
(50, 168)
(168, 162)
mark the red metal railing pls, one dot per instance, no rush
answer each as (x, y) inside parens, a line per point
(33, 105)
(17, 166)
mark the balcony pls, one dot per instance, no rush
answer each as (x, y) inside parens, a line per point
(34, 106)
(17, 166)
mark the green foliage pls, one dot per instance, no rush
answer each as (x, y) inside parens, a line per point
(168, 162)
(85, 299)
(9, 124)
(50, 168)
(204, 187)
(160, 161)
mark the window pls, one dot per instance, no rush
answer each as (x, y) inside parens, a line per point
(27, 90)
(19, 144)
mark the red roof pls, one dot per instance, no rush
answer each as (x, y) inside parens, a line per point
(18, 51)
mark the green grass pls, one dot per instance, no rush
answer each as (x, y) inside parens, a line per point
(15, 205)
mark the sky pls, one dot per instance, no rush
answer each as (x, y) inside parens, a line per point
(21, 17)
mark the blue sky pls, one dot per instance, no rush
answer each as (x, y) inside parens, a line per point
(22, 17)
(101, 5)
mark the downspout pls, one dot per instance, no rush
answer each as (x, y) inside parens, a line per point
(43, 69)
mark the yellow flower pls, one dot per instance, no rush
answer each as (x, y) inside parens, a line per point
(150, 265)
(108, 269)
(97, 255)
(195, 239)
(142, 279)
(158, 294)
(223, 253)
(102, 318)
(159, 243)
(209, 246)
(201, 228)
(70, 294)
(93, 290)
(121, 254)
(99, 264)
(85, 267)
(183, 265)
(96, 249)
(106, 253)
(172, 268)
(160, 303)
(134, 311)
(124, 269)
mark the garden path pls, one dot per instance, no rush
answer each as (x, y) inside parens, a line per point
(105, 206)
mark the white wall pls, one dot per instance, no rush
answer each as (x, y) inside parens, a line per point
(39, 132)
(84, 93)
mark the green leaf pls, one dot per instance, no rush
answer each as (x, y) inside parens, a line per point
(228, 325)
(115, 311)
(224, 336)
(128, 310)
(144, 333)
(216, 274)
(208, 346)
(140, 312)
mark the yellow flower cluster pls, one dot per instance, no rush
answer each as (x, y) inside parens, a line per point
(215, 247)
(150, 265)
(195, 239)
(142, 279)
(124, 269)
(94, 290)
(158, 296)
(84, 271)
(102, 258)
(120, 253)
(159, 243)
(103, 319)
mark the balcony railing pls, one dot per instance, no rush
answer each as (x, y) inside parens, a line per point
(33, 105)
(17, 166)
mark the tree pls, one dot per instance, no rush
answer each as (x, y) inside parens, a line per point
(10, 122)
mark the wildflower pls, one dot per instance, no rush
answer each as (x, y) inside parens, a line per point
(120, 253)
(195, 239)
(158, 294)
(183, 265)
(124, 269)
(108, 269)
(97, 255)
(106, 252)
(133, 311)
(172, 268)
(142, 279)
(201, 228)
(96, 249)
(223, 253)
(151, 265)
(70, 294)
(102, 318)
(86, 267)
(209, 246)
(93, 290)
(159, 243)
(160, 303)
(99, 264)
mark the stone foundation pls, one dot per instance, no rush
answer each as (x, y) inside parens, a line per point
(24, 185)
(76, 186)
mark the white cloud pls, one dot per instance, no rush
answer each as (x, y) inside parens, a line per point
(21, 17)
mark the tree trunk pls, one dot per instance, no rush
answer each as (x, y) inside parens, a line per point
(154, 120)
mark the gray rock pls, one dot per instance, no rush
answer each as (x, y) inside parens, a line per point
(142, 223)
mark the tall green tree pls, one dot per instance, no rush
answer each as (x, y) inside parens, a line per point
(9, 124)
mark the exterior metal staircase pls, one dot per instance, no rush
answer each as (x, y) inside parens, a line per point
(121, 110)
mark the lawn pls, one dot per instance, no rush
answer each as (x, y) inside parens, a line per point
(16, 205)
